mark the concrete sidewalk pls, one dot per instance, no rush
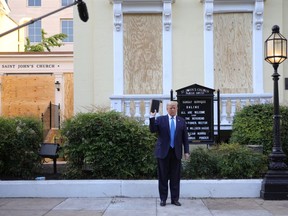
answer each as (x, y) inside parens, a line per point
(140, 206)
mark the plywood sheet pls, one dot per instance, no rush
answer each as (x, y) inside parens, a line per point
(27, 95)
(233, 52)
(142, 54)
(69, 95)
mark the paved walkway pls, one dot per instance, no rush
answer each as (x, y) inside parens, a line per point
(139, 207)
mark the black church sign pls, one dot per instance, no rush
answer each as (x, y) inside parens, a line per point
(195, 105)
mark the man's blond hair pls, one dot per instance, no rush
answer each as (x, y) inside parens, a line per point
(170, 103)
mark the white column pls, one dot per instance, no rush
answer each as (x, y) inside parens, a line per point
(258, 47)
(167, 46)
(59, 93)
(208, 45)
(118, 48)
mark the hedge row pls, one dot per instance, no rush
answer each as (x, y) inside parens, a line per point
(105, 145)
(225, 161)
(19, 145)
(108, 145)
(253, 125)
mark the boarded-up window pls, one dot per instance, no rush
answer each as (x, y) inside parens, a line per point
(27, 95)
(233, 52)
(142, 54)
(69, 95)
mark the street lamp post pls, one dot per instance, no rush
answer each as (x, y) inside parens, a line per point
(275, 182)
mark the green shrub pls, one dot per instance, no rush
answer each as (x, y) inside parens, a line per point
(112, 145)
(201, 165)
(254, 125)
(19, 146)
(224, 161)
(237, 162)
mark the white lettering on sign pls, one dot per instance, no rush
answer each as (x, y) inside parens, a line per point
(199, 112)
(200, 102)
(202, 122)
(198, 118)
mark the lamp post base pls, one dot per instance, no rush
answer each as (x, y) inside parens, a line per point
(275, 185)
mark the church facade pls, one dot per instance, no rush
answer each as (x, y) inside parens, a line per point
(132, 51)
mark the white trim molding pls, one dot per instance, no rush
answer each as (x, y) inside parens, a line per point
(256, 7)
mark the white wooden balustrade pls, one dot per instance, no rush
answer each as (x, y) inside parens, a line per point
(138, 106)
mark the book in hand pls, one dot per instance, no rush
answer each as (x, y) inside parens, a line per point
(155, 104)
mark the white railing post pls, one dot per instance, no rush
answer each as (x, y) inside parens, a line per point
(233, 109)
(252, 101)
(137, 109)
(224, 112)
(127, 108)
(147, 113)
(116, 105)
(243, 102)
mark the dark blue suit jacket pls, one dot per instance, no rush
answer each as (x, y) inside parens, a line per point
(160, 125)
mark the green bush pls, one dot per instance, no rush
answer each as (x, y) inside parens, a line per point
(19, 146)
(201, 165)
(237, 162)
(224, 161)
(253, 125)
(110, 144)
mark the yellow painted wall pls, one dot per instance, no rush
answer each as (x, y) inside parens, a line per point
(276, 14)
(94, 49)
(188, 47)
(285, 64)
(8, 43)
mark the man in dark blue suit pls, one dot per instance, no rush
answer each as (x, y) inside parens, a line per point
(172, 135)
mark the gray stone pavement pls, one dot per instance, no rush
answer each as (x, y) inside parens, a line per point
(119, 206)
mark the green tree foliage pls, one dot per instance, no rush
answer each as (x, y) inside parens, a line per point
(253, 125)
(112, 145)
(47, 42)
(19, 145)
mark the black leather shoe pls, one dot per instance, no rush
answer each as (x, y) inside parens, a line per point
(163, 203)
(176, 203)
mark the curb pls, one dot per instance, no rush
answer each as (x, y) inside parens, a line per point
(234, 188)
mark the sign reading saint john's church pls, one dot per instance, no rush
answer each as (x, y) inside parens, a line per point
(195, 105)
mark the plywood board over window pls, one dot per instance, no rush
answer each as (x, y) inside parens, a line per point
(27, 95)
(233, 52)
(69, 95)
(142, 53)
